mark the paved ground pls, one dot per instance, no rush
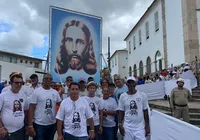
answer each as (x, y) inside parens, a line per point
(166, 103)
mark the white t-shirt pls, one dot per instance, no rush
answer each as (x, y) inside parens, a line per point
(66, 93)
(45, 100)
(83, 93)
(12, 107)
(29, 92)
(95, 103)
(109, 105)
(75, 115)
(133, 107)
(30, 89)
(98, 92)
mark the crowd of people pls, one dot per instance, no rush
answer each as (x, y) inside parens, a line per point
(165, 74)
(77, 111)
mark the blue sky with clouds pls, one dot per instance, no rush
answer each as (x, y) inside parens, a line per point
(24, 24)
(41, 52)
(5, 27)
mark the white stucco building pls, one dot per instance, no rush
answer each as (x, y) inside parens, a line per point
(11, 62)
(166, 35)
(119, 63)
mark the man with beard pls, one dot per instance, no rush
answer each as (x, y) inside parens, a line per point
(76, 50)
(133, 113)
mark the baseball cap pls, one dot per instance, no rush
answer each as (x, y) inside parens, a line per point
(33, 76)
(180, 80)
(81, 80)
(130, 78)
(92, 83)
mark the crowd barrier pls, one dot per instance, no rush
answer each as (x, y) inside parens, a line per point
(158, 90)
(165, 127)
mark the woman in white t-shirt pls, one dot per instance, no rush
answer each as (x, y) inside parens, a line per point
(96, 106)
(109, 113)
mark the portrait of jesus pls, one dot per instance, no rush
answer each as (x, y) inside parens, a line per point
(76, 50)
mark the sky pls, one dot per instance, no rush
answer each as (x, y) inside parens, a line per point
(24, 24)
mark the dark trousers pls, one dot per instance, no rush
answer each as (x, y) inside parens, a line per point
(18, 135)
(44, 132)
(108, 133)
(116, 130)
(97, 135)
(71, 137)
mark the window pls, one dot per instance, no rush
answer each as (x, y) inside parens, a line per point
(1, 57)
(6, 58)
(148, 63)
(140, 37)
(156, 22)
(31, 62)
(158, 60)
(10, 59)
(13, 60)
(134, 47)
(129, 46)
(147, 30)
(135, 70)
(21, 61)
(26, 61)
(141, 68)
(130, 71)
(36, 65)
(115, 60)
(113, 63)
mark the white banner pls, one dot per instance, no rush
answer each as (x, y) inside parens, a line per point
(189, 75)
(164, 127)
(153, 90)
(169, 85)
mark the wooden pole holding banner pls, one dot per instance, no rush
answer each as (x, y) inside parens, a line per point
(109, 54)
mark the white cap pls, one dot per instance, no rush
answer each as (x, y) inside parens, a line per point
(186, 63)
(130, 78)
(3, 80)
(180, 80)
(186, 67)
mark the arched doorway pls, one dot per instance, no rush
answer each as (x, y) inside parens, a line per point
(130, 71)
(135, 70)
(141, 68)
(158, 61)
(148, 65)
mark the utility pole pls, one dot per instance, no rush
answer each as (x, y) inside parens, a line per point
(109, 54)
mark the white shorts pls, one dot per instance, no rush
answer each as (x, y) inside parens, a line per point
(134, 134)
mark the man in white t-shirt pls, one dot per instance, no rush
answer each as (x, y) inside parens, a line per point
(34, 85)
(83, 90)
(42, 111)
(109, 113)
(74, 113)
(133, 113)
(68, 81)
(13, 108)
(96, 106)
